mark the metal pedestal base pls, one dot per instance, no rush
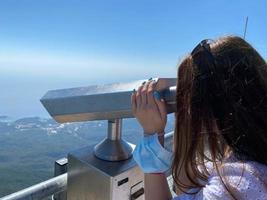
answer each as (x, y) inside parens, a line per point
(113, 150)
(92, 178)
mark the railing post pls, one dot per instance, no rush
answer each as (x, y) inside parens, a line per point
(61, 167)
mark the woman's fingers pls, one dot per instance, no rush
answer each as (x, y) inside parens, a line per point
(138, 97)
(144, 94)
(133, 101)
(156, 99)
(148, 110)
(161, 106)
(150, 90)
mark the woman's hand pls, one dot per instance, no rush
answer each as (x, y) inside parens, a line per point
(149, 111)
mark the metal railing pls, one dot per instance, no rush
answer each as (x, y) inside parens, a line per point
(57, 184)
(41, 190)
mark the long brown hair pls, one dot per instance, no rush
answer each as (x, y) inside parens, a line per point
(220, 114)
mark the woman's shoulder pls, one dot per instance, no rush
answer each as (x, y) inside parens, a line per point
(246, 180)
(234, 167)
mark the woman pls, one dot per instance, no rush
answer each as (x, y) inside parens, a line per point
(220, 133)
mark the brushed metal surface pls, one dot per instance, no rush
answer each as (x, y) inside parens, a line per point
(113, 148)
(135, 183)
(86, 182)
(99, 102)
(114, 129)
(93, 178)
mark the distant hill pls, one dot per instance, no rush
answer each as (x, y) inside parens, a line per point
(3, 117)
(30, 146)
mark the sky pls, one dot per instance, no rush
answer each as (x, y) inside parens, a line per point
(52, 44)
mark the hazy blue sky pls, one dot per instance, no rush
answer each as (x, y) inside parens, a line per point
(58, 44)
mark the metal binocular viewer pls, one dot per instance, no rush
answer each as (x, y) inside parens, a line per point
(110, 102)
(90, 174)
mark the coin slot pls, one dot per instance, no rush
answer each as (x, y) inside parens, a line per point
(137, 194)
(123, 181)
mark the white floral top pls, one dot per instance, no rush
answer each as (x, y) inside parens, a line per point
(248, 181)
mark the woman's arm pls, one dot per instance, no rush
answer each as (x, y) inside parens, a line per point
(156, 185)
(152, 115)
